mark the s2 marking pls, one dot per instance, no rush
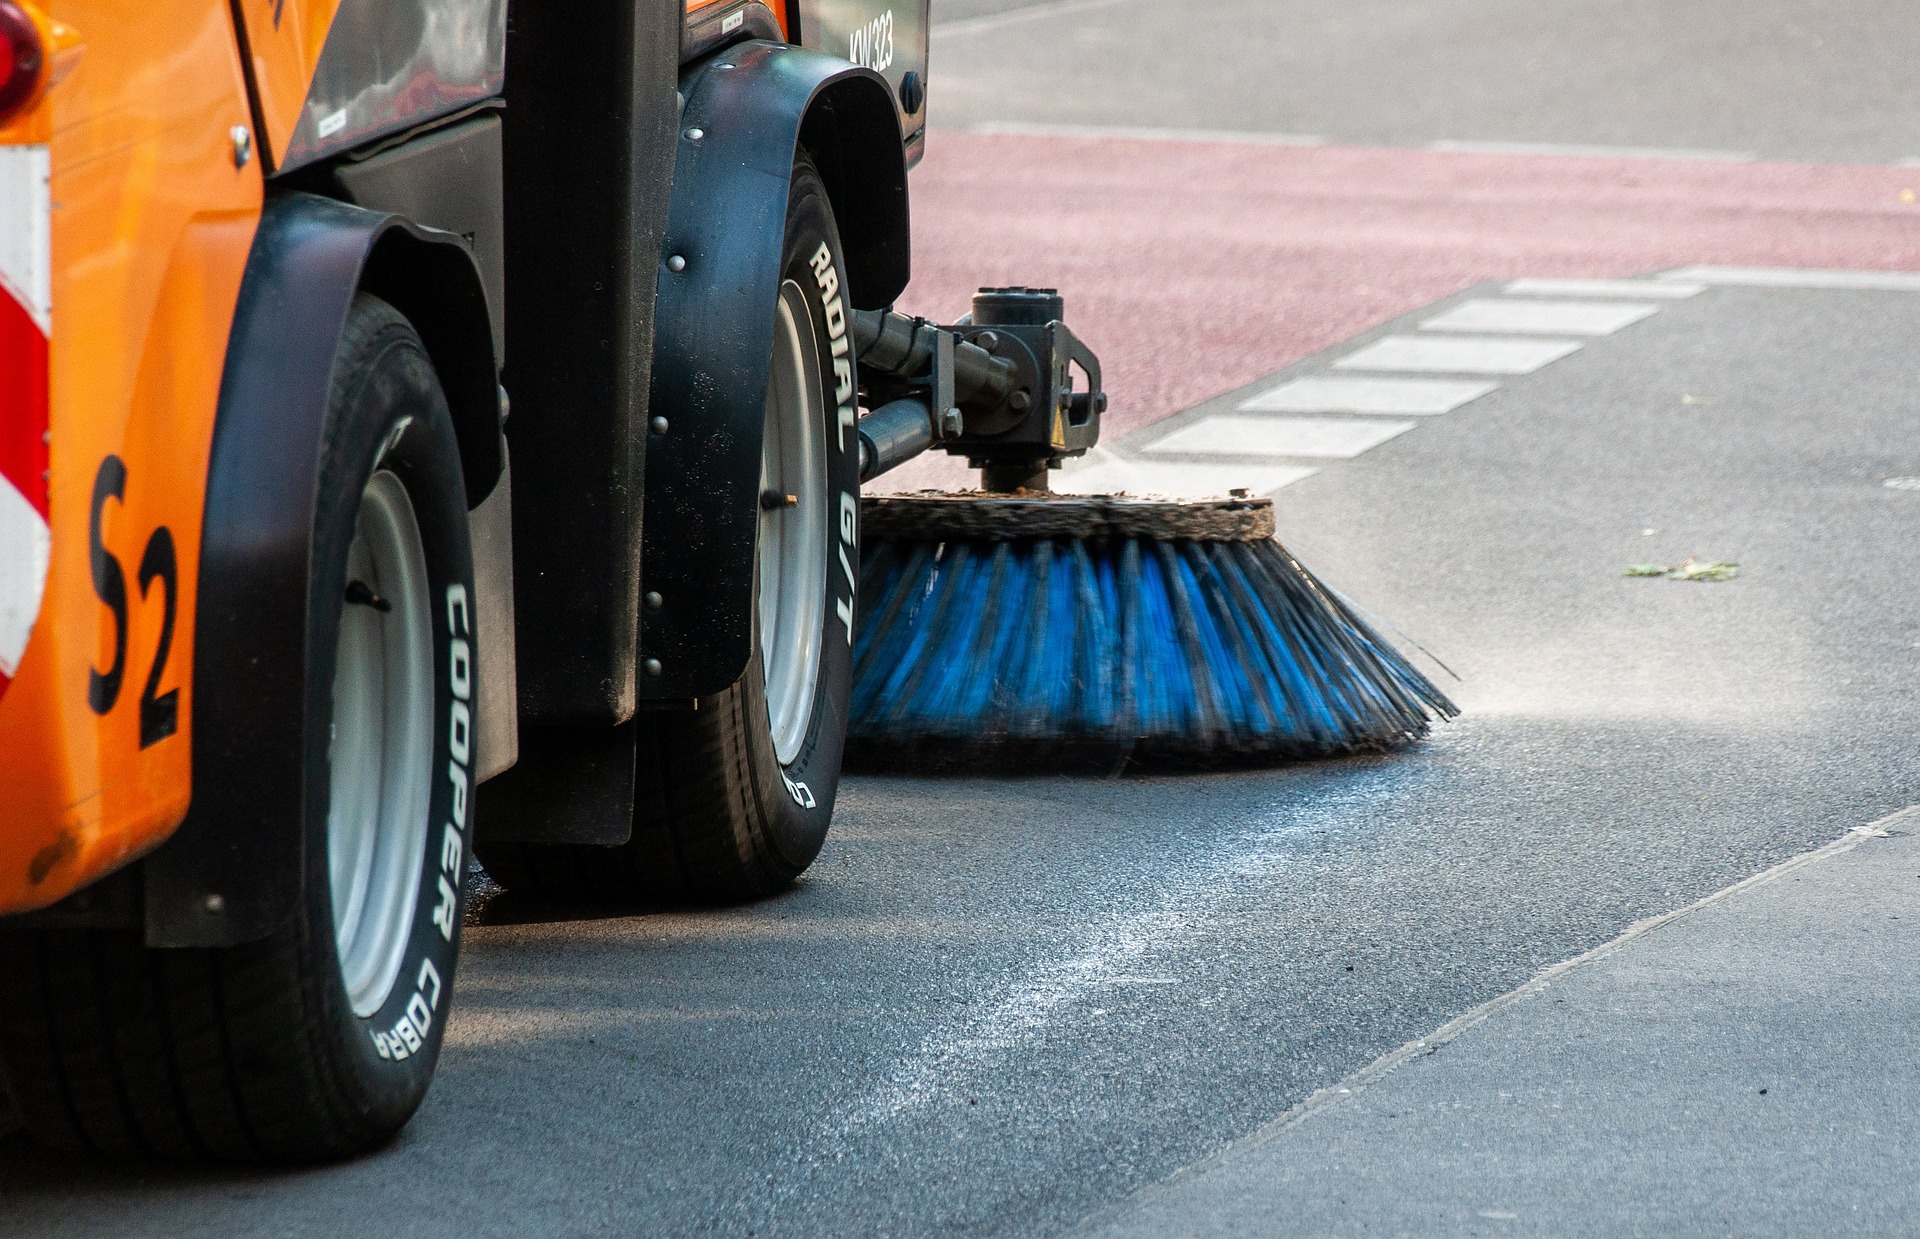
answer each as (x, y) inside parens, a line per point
(159, 712)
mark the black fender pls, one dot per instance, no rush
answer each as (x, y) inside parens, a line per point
(751, 107)
(232, 872)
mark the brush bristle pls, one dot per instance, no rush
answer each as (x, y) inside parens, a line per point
(1210, 650)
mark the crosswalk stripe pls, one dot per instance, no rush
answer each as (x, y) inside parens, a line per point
(1644, 289)
(1332, 393)
(1458, 355)
(1259, 434)
(1541, 318)
(1153, 477)
(1795, 277)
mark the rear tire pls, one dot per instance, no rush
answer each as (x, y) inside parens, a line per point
(319, 1041)
(734, 799)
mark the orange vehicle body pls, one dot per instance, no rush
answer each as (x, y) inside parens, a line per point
(141, 173)
(285, 40)
(697, 7)
(151, 222)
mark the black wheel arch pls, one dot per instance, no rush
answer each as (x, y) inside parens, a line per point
(433, 280)
(753, 107)
(231, 873)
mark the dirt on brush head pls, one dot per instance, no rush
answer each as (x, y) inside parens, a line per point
(986, 516)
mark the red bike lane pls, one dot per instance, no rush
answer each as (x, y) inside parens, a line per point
(1194, 267)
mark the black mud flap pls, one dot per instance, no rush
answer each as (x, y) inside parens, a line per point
(749, 110)
(232, 872)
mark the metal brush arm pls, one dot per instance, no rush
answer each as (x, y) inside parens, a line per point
(905, 347)
(998, 390)
(901, 429)
(895, 433)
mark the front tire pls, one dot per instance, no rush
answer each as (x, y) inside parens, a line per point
(735, 797)
(319, 1041)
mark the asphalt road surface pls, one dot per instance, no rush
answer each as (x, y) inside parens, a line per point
(1005, 1006)
(1740, 1067)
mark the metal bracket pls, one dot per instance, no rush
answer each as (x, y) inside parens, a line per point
(947, 419)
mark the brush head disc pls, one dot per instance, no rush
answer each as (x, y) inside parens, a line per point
(1001, 630)
(984, 516)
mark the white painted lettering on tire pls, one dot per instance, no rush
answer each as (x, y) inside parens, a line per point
(849, 536)
(461, 671)
(429, 975)
(827, 276)
(418, 1015)
(408, 1034)
(446, 913)
(458, 777)
(460, 734)
(457, 621)
(392, 440)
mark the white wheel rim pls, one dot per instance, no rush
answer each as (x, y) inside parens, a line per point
(792, 542)
(381, 753)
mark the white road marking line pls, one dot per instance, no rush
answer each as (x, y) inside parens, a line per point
(1910, 161)
(1458, 355)
(1331, 393)
(1116, 474)
(957, 1051)
(1796, 277)
(1238, 137)
(1541, 318)
(1009, 17)
(1603, 288)
(1580, 151)
(1258, 434)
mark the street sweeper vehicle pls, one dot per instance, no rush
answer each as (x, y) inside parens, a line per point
(435, 429)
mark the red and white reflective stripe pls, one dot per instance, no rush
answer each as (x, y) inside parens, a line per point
(26, 323)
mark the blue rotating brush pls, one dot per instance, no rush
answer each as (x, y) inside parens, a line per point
(1110, 625)
(1012, 622)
